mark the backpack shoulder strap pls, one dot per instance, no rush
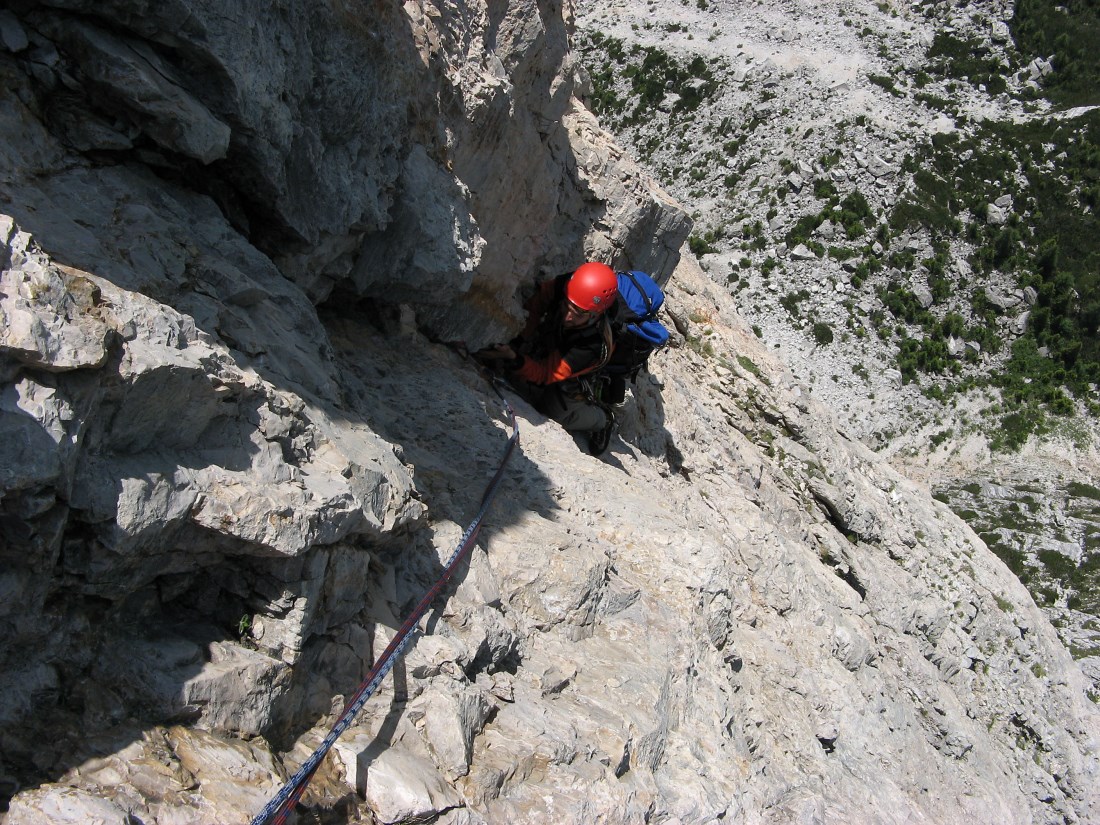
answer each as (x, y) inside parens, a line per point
(642, 292)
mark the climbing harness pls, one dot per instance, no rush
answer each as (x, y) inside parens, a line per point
(587, 378)
(280, 807)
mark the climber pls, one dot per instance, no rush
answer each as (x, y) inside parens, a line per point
(566, 339)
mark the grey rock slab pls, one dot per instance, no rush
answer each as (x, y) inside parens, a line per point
(65, 806)
(400, 786)
(49, 319)
(803, 253)
(12, 34)
(129, 70)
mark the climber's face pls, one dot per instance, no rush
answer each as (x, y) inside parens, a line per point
(574, 317)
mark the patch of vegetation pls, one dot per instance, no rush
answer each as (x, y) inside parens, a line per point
(1071, 33)
(824, 189)
(658, 72)
(704, 244)
(903, 304)
(1053, 574)
(1057, 565)
(649, 72)
(885, 82)
(853, 213)
(1084, 581)
(1050, 242)
(952, 57)
(1011, 556)
(700, 346)
(1079, 489)
(932, 101)
(792, 300)
(923, 355)
(938, 438)
(611, 52)
(1083, 652)
(748, 365)
(936, 201)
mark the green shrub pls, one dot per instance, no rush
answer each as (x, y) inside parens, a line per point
(699, 246)
(904, 304)
(1059, 566)
(924, 355)
(748, 365)
(824, 188)
(952, 325)
(886, 82)
(791, 301)
(1081, 490)
(941, 104)
(1012, 557)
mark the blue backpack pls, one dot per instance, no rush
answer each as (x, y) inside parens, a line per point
(636, 328)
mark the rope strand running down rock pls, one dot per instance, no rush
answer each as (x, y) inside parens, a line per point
(283, 803)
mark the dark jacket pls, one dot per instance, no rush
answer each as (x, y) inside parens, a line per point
(552, 354)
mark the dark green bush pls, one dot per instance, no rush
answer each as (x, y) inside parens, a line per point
(823, 333)
(703, 244)
(885, 82)
(824, 188)
(791, 301)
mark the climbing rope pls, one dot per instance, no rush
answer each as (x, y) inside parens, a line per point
(283, 803)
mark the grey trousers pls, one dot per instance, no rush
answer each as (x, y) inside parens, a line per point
(575, 415)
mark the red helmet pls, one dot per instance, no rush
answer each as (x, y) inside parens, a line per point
(592, 287)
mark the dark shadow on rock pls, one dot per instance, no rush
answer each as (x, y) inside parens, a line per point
(641, 424)
(140, 217)
(345, 810)
(446, 420)
(445, 423)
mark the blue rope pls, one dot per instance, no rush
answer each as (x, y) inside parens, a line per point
(282, 804)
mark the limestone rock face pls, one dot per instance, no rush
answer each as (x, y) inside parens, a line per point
(424, 152)
(232, 456)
